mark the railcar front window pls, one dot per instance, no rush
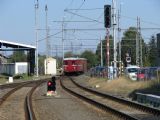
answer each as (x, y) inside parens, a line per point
(132, 70)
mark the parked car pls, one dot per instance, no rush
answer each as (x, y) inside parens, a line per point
(131, 72)
(142, 73)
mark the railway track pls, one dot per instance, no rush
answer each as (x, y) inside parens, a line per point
(19, 100)
(122, 108)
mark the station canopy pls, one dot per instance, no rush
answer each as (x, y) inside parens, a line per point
(15, 45)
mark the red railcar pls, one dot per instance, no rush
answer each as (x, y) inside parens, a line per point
(74, 65)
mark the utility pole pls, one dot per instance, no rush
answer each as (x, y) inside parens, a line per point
(56, 53)
(72, 47)
(62, 40)
(140, 40)
(101, 52)
(114, 37)
(139, 60)
(107, 50)
(47, 42)
(137, 46)
(36, 32)
(47, 33)
(119, 39)
(107, 24)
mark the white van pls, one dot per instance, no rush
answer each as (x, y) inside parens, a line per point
(131, 72)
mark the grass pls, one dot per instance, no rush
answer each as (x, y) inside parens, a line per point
(19, 77)
(22, 76)
(3, 78)
(124, 86)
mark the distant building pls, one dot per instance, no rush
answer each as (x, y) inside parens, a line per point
(50, 66)
(14, 68)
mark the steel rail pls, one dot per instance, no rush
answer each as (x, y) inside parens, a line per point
(29, 115)
(99, 105)
(4, 97)
(30, 112)
(121, 100)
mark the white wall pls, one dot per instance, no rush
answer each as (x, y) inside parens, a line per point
(14, 68)
(21, 67)
(50, 66)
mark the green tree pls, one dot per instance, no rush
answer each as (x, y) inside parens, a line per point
(91, 58)
(41, 59)
(104, 44)
(152, 51)
(68, 54)
(128, 44)
(18, 56)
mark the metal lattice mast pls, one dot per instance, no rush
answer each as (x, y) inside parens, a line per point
(137, 44)
(62, 40)
(139, 60)
(47, 33)
(118, 37)
(101, 52)
(119, 40)
(140, 40)
(114, 36)
(36, 32)
(72, 47)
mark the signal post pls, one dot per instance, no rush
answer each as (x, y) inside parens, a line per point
(107, 24)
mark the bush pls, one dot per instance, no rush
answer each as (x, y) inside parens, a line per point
(19, 76)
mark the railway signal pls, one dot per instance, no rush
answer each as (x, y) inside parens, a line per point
(107, 16)
(128, 59)
(49, 84)
(51, 87)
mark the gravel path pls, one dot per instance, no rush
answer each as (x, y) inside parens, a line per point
(64, 107)
(4, 91)
(13, 108)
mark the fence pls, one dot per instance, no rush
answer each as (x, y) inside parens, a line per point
(145, 74)
(148, 73)
(103, 72)
(98, 71)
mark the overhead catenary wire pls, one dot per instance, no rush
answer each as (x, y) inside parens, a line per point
(121, 15)
(76, 9)
(143, 21)
(86, 9)
(95, 20)
(72, 21)
(50, 36)
(65, 25)
(103, 29)
(84, 17)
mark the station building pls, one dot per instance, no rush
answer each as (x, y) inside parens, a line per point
(13, 46)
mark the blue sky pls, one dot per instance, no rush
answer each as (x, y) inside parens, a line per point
(17, 21)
